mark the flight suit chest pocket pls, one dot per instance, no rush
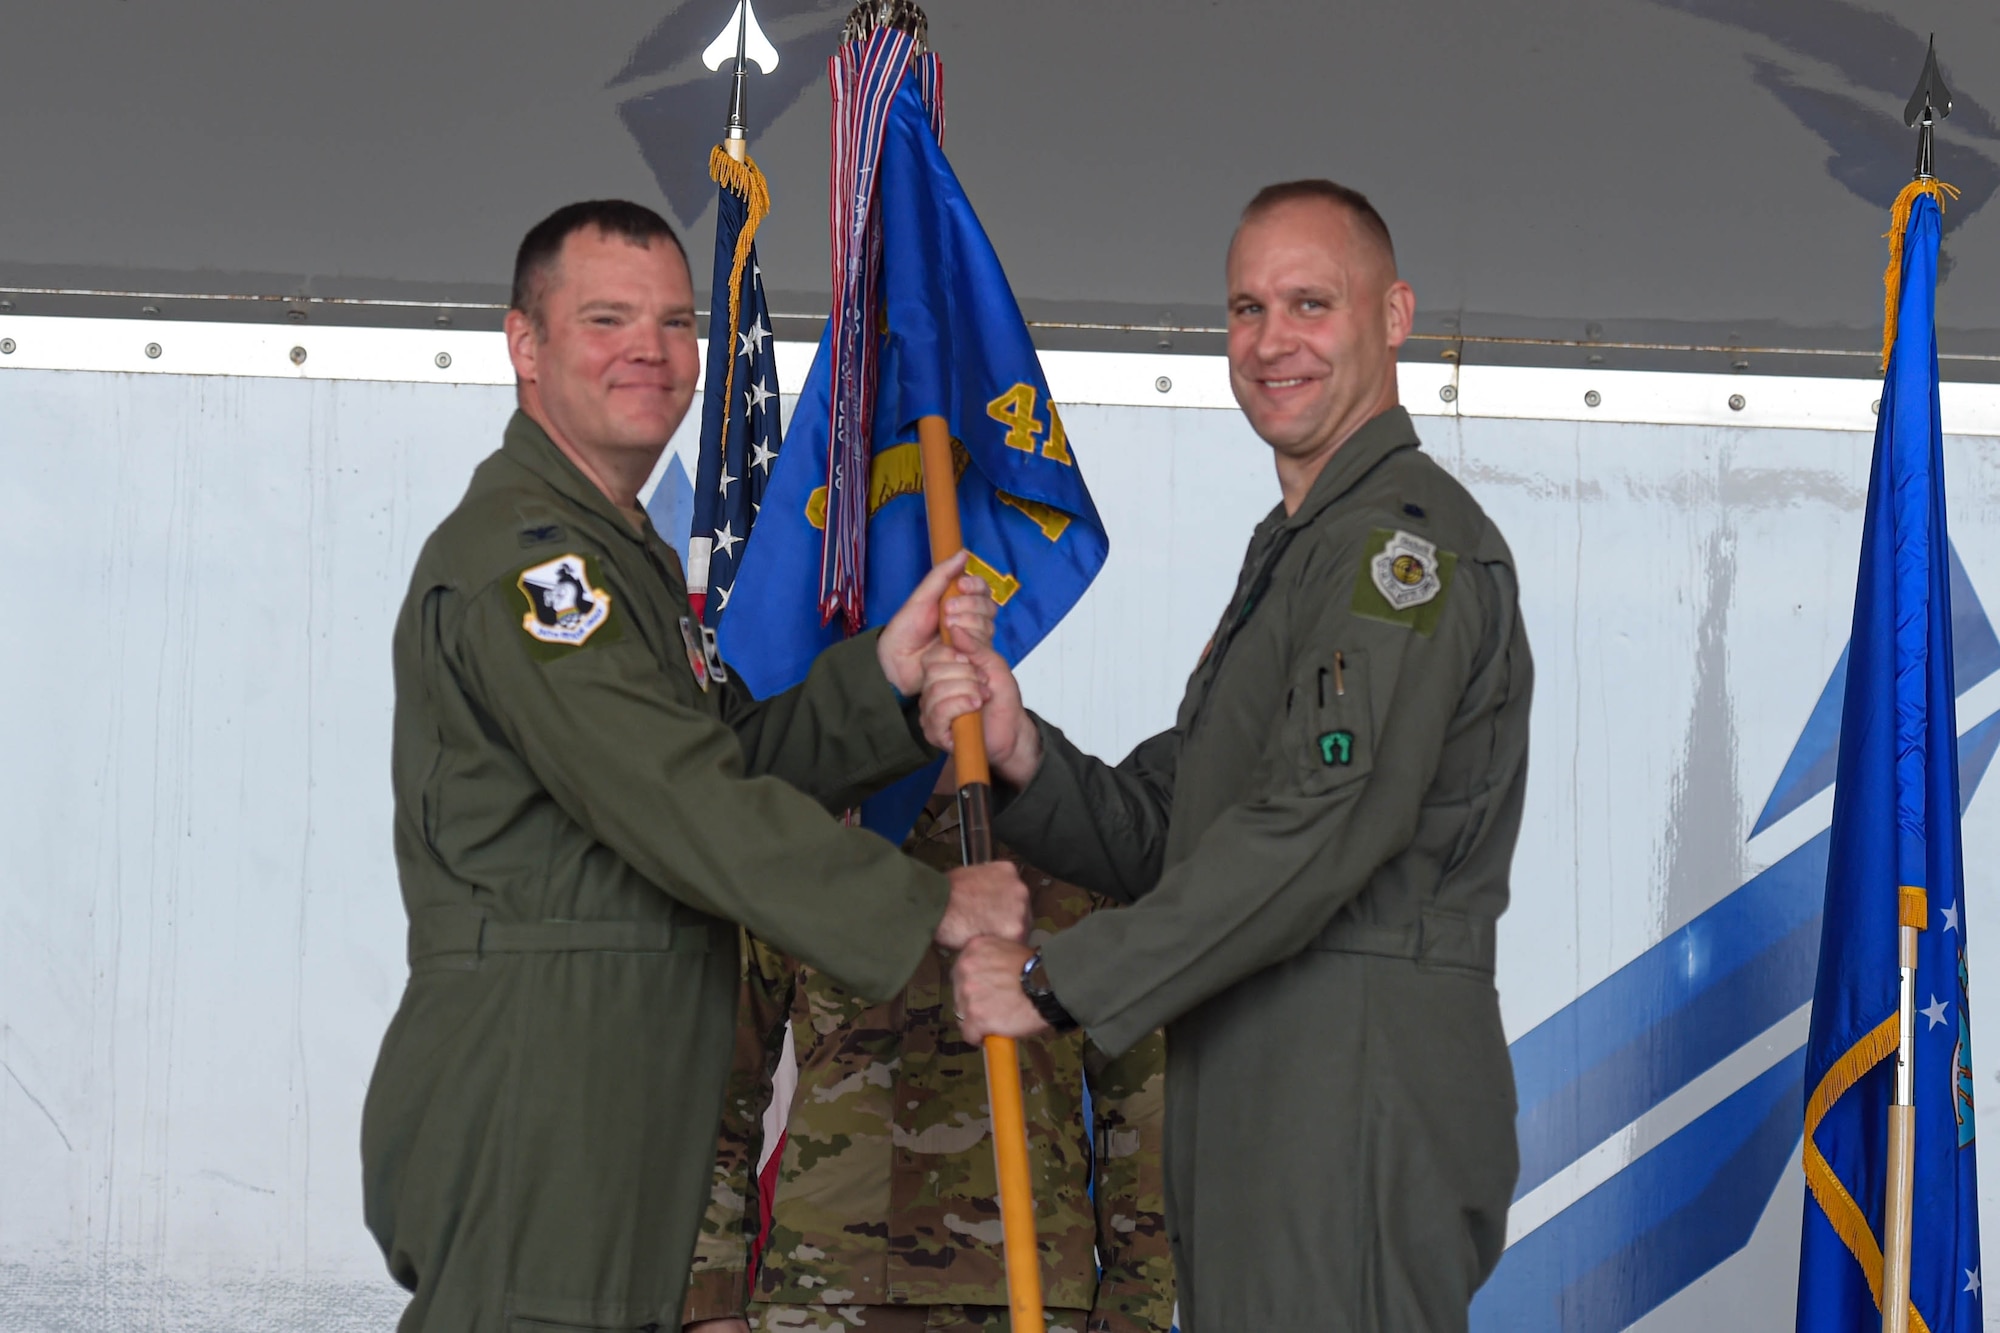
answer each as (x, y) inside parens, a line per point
(1333, 731)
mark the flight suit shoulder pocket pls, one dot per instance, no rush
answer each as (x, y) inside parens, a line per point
(1333, 733)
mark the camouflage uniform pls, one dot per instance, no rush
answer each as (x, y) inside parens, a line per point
(886, 1191)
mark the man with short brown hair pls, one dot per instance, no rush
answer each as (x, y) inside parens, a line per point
(585, 798)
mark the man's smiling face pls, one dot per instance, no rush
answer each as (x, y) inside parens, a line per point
(1316, 314)
(612, 352)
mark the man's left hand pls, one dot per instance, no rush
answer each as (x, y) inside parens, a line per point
(949, 597)
(986, 986)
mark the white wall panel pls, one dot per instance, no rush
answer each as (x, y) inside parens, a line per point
(200, 936)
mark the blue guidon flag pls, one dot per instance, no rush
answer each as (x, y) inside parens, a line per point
(924, 324)
(740, 430)
(1895, 861)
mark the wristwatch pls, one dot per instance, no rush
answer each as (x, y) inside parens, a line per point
(1035, 985)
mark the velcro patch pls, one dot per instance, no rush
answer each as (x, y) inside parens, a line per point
(564, 609)
(1403, 580)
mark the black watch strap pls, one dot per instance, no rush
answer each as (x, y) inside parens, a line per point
(1035, 985)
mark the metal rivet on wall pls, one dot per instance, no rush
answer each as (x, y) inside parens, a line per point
(152, 351)
(1449, 393)
(1593, 398)
(1736, 402)
(1875, 408)
(443, 360)
(1163, 384)
(298, 356)
(6, 347)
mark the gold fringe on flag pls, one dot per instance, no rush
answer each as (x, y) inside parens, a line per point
(746, 182)
(1899, 222)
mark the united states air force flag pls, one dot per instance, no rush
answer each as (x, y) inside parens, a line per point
(1895, 859)
(740, 433)
(949, 341)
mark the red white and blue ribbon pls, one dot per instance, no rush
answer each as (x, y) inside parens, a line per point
(864, 76)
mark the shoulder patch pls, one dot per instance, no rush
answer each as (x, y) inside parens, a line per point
(563, 606)
(1403, 580)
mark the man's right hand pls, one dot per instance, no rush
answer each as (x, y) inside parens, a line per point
(974, 678)
(989, 899)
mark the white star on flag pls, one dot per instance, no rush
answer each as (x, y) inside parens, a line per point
(759, 395)
(1972, 1280)
(727, 541)
(1950, 911)
(723, 593)
(726, 479)
(762, 456)
(1935, 1012)
(753, 338)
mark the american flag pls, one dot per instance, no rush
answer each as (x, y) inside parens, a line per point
(740, 430)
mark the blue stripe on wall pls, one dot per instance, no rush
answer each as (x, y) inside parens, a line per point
(1656, 1226)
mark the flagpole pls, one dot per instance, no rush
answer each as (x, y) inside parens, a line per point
(1902, 1144)
(975, 805)
(1930, 103)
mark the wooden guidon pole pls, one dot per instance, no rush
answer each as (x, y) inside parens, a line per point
(975, 812)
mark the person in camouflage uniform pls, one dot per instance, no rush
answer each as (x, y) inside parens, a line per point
(886, 1216)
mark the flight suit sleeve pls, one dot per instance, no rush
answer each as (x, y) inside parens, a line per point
(839, 736)
(662, 782)
(1135, 1291)
(1116, 848)
(1339, 788)
(719, 1277)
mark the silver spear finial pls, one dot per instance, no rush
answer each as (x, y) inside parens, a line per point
(746, 42)
(1930, 103)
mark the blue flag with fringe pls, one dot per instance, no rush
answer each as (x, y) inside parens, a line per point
(1895, 859)
(948, 340)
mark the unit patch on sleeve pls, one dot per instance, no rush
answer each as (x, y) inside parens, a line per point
(563, 608)
(697, 659)
(1403, 580)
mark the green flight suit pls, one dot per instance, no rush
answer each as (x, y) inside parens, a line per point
(1317, 853)
(579, 809)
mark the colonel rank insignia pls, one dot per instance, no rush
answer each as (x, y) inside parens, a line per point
(1403, 580)
(562, 606)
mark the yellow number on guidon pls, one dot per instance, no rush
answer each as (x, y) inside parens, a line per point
(1058, 445)
(1015, 409)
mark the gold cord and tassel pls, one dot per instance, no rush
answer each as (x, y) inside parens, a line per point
(1899, 222)
(746, 182)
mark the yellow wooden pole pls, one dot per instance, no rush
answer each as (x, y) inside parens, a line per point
(975, 805)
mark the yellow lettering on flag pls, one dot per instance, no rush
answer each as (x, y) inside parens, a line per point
(1004, 585)
(1015, 409)
(1058, 445)
(1053, 522)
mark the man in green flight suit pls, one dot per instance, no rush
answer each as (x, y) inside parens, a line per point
(584, 800)
(1318, 849)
